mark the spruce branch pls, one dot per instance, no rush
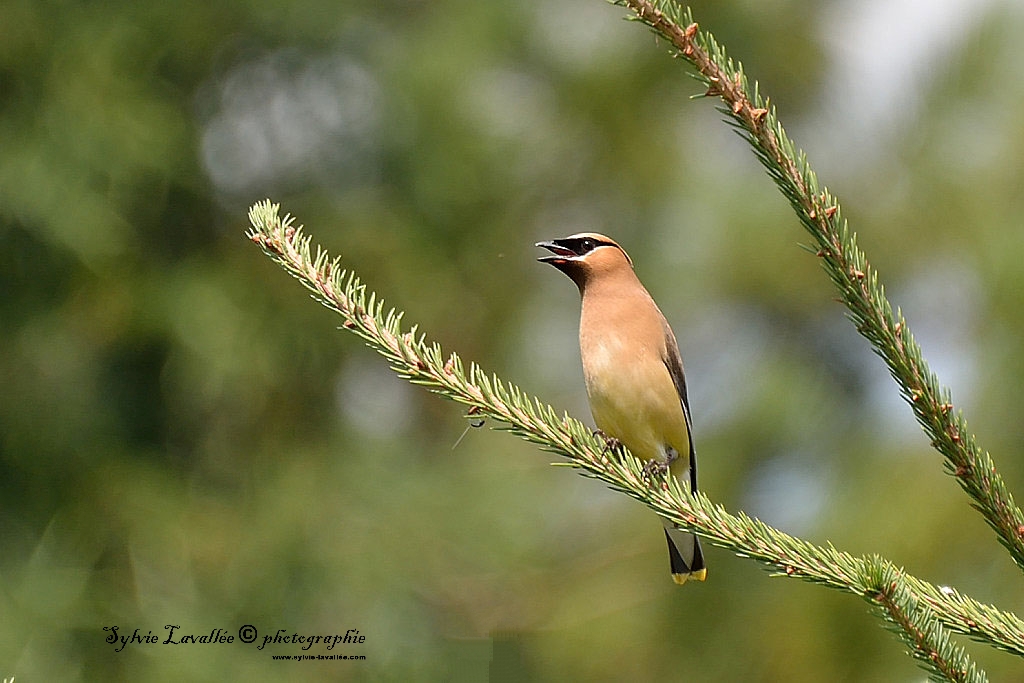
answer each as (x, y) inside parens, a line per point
(917, 625)
(424, 363)
(857, 281)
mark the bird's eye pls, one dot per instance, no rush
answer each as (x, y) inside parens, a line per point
(588, 244)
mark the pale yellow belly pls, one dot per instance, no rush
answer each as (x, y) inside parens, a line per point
(633, 399)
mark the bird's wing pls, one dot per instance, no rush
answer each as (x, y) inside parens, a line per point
(674, 362)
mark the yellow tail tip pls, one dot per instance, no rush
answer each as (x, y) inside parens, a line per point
(699, 575)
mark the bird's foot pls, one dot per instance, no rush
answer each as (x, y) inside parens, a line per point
(611, 444)
(654, 468)
(659, 468)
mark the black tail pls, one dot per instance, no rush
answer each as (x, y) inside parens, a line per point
(681, 569)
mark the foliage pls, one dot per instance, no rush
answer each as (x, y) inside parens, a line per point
(181, 443)
(900, 599)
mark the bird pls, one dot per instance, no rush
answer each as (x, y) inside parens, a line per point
(633, 372)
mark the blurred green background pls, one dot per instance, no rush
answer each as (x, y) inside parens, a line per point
(185, 438)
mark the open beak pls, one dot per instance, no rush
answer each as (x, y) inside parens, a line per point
(561, 254)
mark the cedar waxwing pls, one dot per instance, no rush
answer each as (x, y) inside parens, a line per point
(633, 371)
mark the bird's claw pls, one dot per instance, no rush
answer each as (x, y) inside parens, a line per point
(611, 444)
(655, 468)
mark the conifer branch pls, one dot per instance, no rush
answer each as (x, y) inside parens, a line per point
(857, 281)
(917, 625)
(422, 362)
